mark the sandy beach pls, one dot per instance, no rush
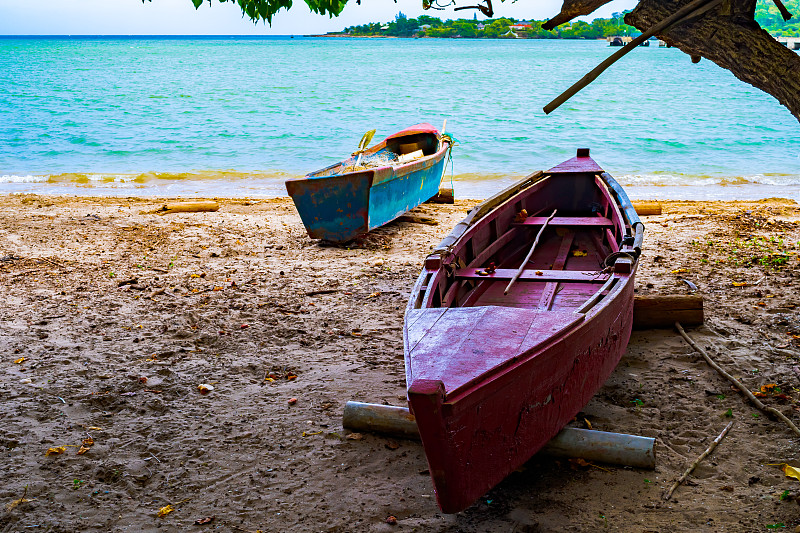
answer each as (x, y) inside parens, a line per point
(112, 316)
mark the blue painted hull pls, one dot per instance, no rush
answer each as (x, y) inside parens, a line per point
(341, 207)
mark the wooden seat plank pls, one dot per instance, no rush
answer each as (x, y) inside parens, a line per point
(567, 221)
(562, 276)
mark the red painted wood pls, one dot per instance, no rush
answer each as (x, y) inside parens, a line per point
(564, 276)
(577, 165)
(464, 344)
(567, 221)
(492, 377)
(561, 259)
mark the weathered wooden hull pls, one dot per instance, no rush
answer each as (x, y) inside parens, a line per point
(340, 207)
(492, 378)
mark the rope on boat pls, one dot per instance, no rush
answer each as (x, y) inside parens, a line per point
(612, 258)
(446, 137)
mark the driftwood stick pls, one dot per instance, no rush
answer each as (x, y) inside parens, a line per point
(755, 401)
(530, 253)
(668, 494)
(696, 8)
(186, 207)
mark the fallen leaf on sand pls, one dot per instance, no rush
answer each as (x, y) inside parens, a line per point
(56, 451)
(10, 507)
(164, 511)
(791, 471)
(292, 401)
(291, 376)
(206, 520)
(739, 283)
(354, 436)
(679, 271)
(20, 360)
(82, 450)
(94, 428)
(306, 434)
(88, 442)
(391, 520)
(205, 388)
(392, 445)
(374, 294)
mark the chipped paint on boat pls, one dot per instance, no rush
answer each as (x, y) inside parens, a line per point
(339, 207)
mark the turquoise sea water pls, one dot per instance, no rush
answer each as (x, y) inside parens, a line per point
(237, 116)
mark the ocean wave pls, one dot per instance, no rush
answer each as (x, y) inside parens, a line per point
(683, 180)
(22, 179)
(99, 179)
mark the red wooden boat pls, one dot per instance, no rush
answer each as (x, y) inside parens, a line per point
(495, 371)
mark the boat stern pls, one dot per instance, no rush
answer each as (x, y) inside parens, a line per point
(333, 208)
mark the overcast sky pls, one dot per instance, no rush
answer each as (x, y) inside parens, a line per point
(178, 17)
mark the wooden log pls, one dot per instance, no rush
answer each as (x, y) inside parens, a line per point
(647, 208)
(650, 312)
(600, 446)
(445, 196)
(187, 207)
(386, 419)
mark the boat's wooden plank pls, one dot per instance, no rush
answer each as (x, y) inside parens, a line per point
(468, 342)
(419, 321)
(525, 295)
(567, 221)
(573, 295)
(563, 276)
(618, 231)
(499, 243)
(612, 241)
(561, 260)
(582, 163)
(549, 325)
(442, 342)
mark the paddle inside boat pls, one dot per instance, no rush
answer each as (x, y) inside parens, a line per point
(373, 186)
(516, 320)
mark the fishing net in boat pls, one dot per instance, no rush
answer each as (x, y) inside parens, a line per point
(380, 159)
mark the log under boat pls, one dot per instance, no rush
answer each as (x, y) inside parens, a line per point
(495, 371)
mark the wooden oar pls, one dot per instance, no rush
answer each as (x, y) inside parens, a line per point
(530, 253)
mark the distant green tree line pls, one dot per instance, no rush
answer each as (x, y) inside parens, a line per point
(426, 26)
(767, 15)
